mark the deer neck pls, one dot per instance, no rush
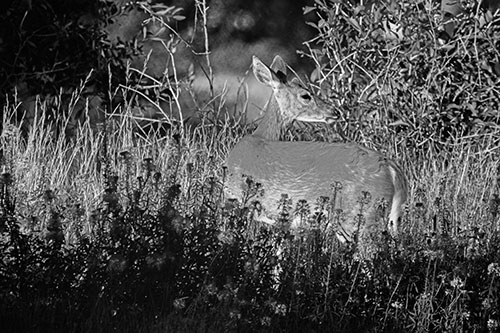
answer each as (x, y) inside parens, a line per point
(272, 123)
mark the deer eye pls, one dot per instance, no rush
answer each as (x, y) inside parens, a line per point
(306, 97)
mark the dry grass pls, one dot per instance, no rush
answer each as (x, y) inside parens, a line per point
(111, 191)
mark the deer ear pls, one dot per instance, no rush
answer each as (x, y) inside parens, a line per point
(264, 74)
(279, 66)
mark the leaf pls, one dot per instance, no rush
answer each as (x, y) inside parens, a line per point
(358, 9)
(308, 9)
(315, 75)
(354, 23)
(312, 24)
(398, 123)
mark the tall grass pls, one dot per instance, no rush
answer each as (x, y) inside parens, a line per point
(111, 230)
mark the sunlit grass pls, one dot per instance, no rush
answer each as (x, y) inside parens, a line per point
(116, 189)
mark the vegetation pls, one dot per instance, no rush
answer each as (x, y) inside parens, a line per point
(118, 229)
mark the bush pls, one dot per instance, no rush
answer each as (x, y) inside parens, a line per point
(392, 70)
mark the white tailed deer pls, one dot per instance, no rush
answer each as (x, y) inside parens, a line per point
(306, 170)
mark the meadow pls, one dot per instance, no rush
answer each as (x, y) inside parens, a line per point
(120, 227)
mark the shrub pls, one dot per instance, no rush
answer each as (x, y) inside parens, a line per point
(391, 70)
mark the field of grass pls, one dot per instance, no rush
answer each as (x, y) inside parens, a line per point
(106, 228)
(114, 231)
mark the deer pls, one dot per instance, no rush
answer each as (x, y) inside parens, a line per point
(306, 170)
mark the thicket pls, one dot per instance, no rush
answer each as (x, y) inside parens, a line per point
(113, 231)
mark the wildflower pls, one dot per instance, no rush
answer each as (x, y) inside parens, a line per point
(157, 177)
(457, 283)
(365, 198)
(486, 304)
(494, 269)
(180, 303)
(425, 296)
(336, 187)
(235, 314)
(493, 324)
(397, 305)
(148, 164)
(265, 321)
(211, 289)
(280, 309)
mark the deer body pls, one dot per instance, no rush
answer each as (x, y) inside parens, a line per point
(306, 170)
